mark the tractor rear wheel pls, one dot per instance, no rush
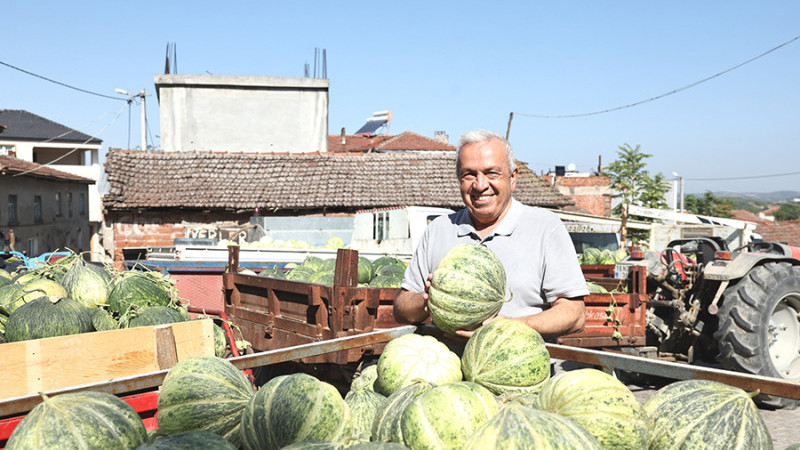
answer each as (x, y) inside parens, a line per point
(759, 326)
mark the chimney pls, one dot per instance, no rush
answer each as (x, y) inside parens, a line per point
(344, 139)
(441, 136)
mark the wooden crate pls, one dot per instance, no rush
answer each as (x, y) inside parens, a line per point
(276, 313)
(629, 308)
(48, 364)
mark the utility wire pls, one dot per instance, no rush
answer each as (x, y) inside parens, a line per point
(688, 86)
(62, 84)
(750, 177)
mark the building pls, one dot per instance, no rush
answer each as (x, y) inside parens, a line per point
(155, 197)
(34, 139)
(591, 193)
(46, 209)
(250, 114)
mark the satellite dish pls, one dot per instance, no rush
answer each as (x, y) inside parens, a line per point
(571, 167)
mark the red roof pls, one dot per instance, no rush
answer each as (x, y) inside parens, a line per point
(781, 231)
(406, 141)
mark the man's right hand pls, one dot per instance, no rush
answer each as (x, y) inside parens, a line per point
(412, 307)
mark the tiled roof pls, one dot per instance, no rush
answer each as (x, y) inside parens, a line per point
(406, 141)
(272, 181)
(10, 165)
(24, 125)
(781, 231)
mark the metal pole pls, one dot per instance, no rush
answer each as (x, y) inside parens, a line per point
(144, 121)
(682, 194)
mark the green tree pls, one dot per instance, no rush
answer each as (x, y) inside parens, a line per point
(632, 183)
(709, 205)
(788, 211)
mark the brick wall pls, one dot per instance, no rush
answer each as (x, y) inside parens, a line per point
(154, 228)
(591, 194)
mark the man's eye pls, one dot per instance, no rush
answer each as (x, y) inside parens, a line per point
(467, 177)
(493, 175)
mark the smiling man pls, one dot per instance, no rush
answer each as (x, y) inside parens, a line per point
(536, 251)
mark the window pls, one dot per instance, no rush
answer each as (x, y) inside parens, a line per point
(37, 209)
(12, 210)
(82, 204)
(69, 204)
(58, 204)
(380, 229)
(8, 150)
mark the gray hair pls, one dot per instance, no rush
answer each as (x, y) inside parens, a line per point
(481, 136)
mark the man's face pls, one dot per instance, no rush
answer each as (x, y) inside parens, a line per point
(486, 181)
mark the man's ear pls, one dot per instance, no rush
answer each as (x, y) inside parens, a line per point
(514, 178)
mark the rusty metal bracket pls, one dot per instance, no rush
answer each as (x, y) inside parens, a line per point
(619, 361)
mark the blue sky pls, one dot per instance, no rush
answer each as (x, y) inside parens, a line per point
(454, 66)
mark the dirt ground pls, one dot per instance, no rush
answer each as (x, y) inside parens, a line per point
(783, 425)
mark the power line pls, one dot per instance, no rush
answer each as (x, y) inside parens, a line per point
(60, 83)
(750, 177)
(688, 86)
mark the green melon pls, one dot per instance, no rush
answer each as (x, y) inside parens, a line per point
(271, 272)
(444, 417)
(10, 296)
(322, 277)
(366, 379)
(591, 255)
(365, 270)
(102, 320)
(601, 404)
(312, 262)
(294, 408)
(385, 281)
(5, 280)
(387, 260)
(79, 420)
(188, 440)
(506, 355)
(220, 341)
(363, 406)
(87, 283)
(154, 315)
(521, 427)
(327, 264)
(413, 356)
(391, 270)
(135, 288)
(300, 273)
(203, 393)
(705, 414)
(387, 425)
(316, 445)
(48, 317)
(468, 287)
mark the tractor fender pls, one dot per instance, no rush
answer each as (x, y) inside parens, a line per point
(740, 265)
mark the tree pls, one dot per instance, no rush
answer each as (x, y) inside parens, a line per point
(788, 211)
(632, 183)
(709, 205)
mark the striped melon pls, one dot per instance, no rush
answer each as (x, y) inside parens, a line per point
(521, 427)
(601, 404)
(506, 356)
(203, 393)
(294, 408)
(705, 414)
(48, 317)
(445, 416)
(387, 425)
(468, 287)
(189, 440)
(415, 357)
(79, 420)
(363, 404)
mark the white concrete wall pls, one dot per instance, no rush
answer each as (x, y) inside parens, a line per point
(243, 113)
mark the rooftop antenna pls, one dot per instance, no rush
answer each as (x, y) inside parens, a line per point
(171, 59)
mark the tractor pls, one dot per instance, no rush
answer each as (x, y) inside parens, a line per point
(739, 308)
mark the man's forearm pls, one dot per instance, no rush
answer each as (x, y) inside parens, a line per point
(563, 317)
(409, 307)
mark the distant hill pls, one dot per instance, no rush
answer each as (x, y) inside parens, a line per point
(768, 197)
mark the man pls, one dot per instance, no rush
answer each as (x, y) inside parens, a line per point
(541, 267)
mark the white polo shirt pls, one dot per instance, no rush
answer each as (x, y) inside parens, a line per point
(533, 245)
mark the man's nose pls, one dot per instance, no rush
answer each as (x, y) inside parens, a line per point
(481, 182)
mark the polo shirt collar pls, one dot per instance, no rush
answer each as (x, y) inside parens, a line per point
(504, 228)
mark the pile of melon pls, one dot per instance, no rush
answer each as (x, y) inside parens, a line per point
(419, 395)
(594, 255)
(71, 296)
(386, 271)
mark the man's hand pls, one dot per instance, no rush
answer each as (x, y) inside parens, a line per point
(412, 307)
(468, 334)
